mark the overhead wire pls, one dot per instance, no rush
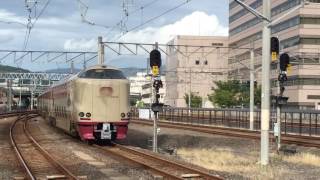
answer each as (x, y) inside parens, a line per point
(12, 22)
(141, 8)
(83, 14)
(31, 24)
(154, 18)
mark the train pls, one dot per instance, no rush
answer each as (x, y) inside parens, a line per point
(92, 104)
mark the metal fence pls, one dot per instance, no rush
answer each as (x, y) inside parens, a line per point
(303, 122)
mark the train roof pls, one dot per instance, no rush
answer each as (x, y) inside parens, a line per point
(74, 76)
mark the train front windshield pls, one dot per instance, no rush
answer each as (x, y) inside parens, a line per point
(102, 74)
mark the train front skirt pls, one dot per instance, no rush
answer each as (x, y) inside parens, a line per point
(102, 131)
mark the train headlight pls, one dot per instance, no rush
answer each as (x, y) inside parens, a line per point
(88, 114)
(123, 115)
(81, 114)
(128, 114)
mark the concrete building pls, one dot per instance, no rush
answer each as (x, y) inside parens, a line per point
(299, 35)
(140, 87)
(136, 83)
(192, 65)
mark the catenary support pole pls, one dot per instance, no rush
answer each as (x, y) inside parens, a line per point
(9, 83)
(265, 82)
(100, 51)
(252, 89)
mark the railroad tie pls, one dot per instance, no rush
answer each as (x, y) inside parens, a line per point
(188, 176)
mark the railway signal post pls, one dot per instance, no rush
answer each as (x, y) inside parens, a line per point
(156, 106)
(284, 63)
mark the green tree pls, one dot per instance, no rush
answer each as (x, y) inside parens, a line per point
(196, 101)
(233, 93)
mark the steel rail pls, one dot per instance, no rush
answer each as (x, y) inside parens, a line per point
(234, 132)
(156, 159)
(52, 160)
(22, 160)
(17, 151)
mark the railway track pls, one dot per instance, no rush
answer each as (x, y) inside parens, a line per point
(159, 165)
(307, 141)
(35, 160)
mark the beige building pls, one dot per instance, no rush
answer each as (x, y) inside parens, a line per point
(299, 35)
(192, 65)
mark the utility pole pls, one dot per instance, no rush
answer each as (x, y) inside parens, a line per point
(252, 89)
(32, 89)
(189, 97)
(100, 51)
(265, 94)
(72, 67)
(265, 80)
(20, 89)
(9, 96)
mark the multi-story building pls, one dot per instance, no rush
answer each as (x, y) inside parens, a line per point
(299, 35)
(193, 64)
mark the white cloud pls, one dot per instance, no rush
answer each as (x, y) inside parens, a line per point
(11, 17)
(197, 23)
(81, 44)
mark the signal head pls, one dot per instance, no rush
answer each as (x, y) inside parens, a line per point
(284, 61)
(155, 58)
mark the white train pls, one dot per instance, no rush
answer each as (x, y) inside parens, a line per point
(93, 104)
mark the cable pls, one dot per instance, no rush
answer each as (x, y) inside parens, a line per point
(12, 22)
(153, 18)
(31, 24)
(84, 14)
(130, 13)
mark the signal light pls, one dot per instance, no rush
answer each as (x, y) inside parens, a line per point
(274, 45)
(284, 61)
(155, 58)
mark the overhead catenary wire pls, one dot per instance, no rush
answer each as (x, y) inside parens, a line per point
(31, 24)
(141, 8)
(154, 18)
(83, 14)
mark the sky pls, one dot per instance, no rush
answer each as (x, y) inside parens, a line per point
(60, 26)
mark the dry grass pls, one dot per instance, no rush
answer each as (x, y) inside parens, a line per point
(304, 158)
(216, 159)
(246, 166)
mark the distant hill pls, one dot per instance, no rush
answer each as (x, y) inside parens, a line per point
(131, 71)
(62, 70)
(4, 68)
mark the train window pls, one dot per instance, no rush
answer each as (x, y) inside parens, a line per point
(102, 74)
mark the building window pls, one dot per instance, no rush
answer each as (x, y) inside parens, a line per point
(293, 41)
(217, 44)
(275, 11)
(315, 41)
(309, 20)
(286, 24)
(205, 62)
(197, 62)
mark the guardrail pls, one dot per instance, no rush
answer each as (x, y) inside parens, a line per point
(302, 122)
